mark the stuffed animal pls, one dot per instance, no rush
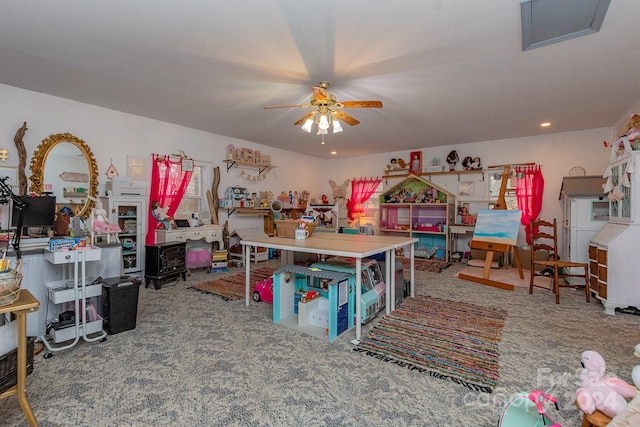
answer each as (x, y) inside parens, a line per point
(608, 395)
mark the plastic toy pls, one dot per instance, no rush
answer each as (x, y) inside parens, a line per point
(597, 392)
(527, 410)
(263, 291)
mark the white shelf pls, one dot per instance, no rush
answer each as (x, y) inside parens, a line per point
(60, 292)
(70, 333)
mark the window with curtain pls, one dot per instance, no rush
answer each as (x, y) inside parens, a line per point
(361, 190)
(169, 183)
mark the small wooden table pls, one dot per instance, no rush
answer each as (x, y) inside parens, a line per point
(23, 305)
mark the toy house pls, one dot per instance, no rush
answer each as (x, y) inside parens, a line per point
(317, 302)
(236, 197)
(418, 208)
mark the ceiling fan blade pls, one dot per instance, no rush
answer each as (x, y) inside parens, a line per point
(362, 104)
(287, 106)
(346, 118)
(304, 118)
(319, 93)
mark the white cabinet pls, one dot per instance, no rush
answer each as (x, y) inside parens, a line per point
(130, 213)
(613, 260)
(585, 211)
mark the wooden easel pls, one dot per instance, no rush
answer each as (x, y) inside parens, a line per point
(490, 247)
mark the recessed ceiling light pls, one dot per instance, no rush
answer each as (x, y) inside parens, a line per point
(545, 124)
(334, 152)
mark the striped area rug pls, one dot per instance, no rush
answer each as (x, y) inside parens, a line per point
(446, 339)
(231, 288)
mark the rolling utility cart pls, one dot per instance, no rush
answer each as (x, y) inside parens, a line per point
(71, 296)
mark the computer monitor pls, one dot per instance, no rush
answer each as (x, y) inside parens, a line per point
(37, 211)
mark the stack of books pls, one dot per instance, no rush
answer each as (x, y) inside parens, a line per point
(219, 261)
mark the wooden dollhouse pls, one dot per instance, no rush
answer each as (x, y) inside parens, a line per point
(418, 208)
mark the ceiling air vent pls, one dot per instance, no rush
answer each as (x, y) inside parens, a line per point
(551, 21)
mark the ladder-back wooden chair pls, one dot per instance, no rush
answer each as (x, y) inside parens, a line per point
(544, 237)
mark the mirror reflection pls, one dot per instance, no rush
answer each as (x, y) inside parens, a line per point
(64, 166)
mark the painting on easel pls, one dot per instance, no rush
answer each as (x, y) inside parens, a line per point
(497, 226)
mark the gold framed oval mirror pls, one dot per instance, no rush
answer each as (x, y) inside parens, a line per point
(63, 165)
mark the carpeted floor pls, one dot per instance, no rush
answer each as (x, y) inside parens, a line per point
(446, 339)
(231, 288)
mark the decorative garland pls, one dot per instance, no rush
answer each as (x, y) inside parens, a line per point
(254, 178)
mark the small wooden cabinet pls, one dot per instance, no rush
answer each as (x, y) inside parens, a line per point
(420, 209)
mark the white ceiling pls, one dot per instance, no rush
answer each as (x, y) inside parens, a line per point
(447, 71)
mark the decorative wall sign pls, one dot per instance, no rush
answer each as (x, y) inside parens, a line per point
(74, 177)
(138, 168)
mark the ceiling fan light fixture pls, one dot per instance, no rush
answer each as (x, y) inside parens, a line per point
(321, 131)
(323, 122)
(336, 126)
(307, 125)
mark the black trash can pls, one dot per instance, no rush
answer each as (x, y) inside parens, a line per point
(120, 304)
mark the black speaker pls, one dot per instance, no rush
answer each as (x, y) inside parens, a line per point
(120, 304)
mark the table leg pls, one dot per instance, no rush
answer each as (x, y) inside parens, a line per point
(22, 370)
(246, 254)
(392, 274)
(412, 270)
(389, 290)
(358, 299)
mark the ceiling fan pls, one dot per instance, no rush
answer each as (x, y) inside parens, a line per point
(327, 109)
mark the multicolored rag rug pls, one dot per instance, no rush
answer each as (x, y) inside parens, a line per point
(424, 264)
(231, 288)
(446, 339)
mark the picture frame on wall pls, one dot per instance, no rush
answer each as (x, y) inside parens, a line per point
(415, 163)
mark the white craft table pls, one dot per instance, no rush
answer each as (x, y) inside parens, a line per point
(357, 246)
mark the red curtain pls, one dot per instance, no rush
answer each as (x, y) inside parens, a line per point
(361, 190)
(168, 185)
(529, 193)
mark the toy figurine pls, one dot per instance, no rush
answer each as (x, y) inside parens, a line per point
(452, 159)
(160, 214)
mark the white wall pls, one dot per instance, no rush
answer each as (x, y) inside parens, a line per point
(557, 153)
(112, 135)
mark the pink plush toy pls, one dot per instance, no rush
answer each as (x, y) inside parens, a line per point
(604, 394)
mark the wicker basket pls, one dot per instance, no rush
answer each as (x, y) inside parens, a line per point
(9, 366)
(287, 227)
(10, 284)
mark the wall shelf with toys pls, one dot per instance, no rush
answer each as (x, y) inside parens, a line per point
(248, 158)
